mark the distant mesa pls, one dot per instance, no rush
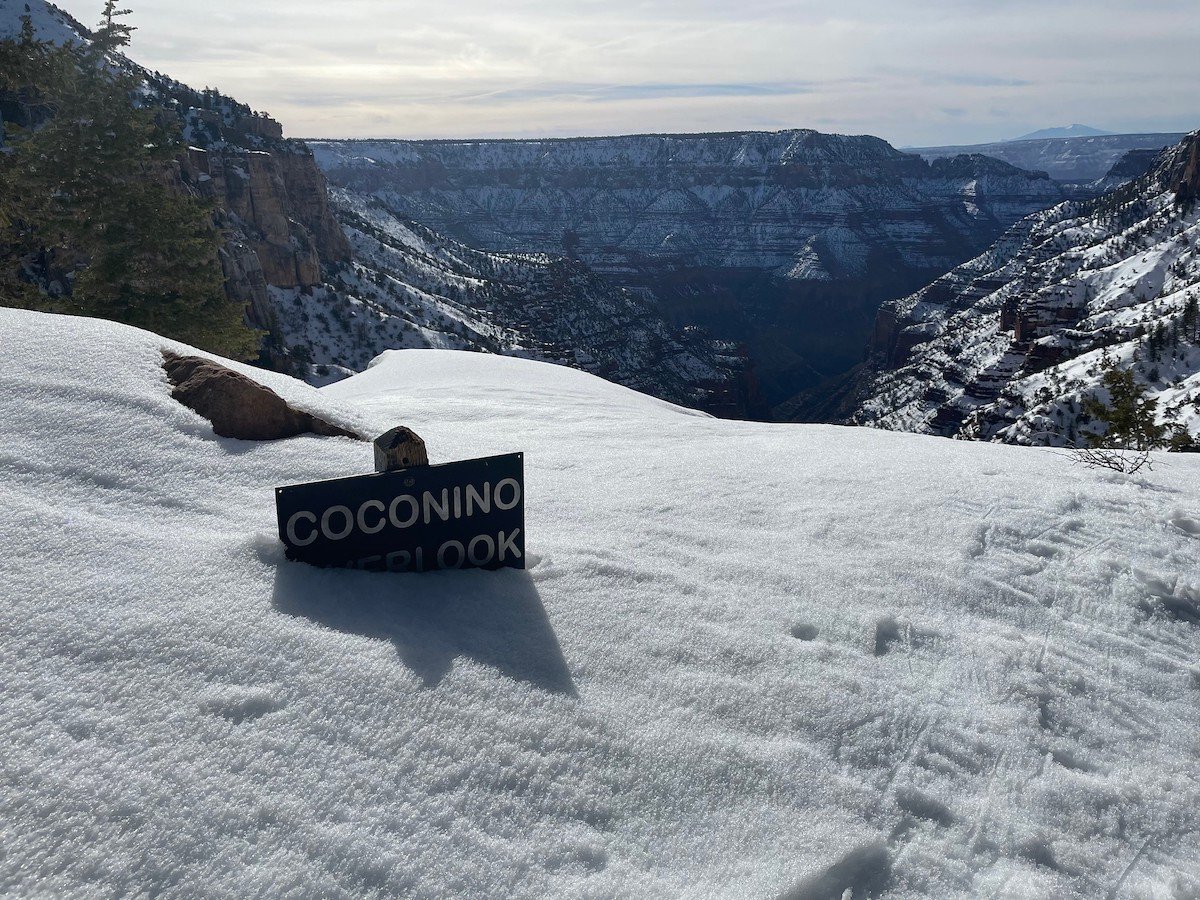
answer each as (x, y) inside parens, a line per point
(1064, 131)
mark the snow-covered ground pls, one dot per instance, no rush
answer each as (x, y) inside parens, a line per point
(747, 660)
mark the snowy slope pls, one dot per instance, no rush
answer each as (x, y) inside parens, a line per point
(1010, 345)
(747, 660)
(408, 287)
(49, 22)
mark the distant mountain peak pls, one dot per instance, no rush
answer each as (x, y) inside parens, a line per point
(1064, 131)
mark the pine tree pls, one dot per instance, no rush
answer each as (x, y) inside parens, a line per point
(112, 33)
(1129, 417)
(1191, 320)
(98, 201)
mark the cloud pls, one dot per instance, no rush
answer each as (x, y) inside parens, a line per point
(616, 93)
(483, 68)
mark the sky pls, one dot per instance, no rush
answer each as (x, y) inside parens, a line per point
(916, 72)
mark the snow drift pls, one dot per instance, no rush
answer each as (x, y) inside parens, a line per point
(746, 661)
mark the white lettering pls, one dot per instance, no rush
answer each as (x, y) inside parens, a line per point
(476, 500)
(441, 556)
(362, 518)
(509, 544)
(432, 505)
(294, 538)
(394, 515)
(478, 559)
(399, 561)
(516, 493)
(337, 535)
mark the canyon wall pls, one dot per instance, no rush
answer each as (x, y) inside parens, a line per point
(786, 243)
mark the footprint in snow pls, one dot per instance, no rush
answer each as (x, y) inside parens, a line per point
(1185, 522)
(805, 632)
(887, 633)
(1170, 595)
(923, 806)
(240, 704)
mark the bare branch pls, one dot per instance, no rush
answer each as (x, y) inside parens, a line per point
(1126, 462)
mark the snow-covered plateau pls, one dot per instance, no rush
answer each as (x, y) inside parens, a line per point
(745, 660)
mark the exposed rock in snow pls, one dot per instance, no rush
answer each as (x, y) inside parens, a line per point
(747, 660)
(239, 407)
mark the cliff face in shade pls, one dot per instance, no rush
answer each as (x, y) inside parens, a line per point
(1009, 346)
(409, 287)
(785, 242)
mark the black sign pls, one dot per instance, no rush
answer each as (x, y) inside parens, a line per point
(462, 515)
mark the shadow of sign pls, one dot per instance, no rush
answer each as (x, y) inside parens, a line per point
(494, 618)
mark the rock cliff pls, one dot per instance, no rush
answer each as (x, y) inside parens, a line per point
(271, 199)
(784, 242)
(276, 204)
(1008, 346)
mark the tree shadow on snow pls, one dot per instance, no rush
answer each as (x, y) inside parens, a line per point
(494, 618)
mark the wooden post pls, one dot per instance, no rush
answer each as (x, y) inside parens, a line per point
(400, 448)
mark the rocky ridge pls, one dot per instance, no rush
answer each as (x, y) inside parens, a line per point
(1075, 159)
(269, 197)
(1008, 346)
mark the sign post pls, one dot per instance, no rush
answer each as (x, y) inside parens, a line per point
(417, 518)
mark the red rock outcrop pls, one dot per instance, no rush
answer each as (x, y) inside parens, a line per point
(276, 204)
(237, 406)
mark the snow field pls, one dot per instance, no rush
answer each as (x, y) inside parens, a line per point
(746, 660)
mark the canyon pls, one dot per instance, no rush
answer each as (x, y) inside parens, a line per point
(784, 244)
(1011, 345)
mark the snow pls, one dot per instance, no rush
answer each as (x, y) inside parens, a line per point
(746, 660)
(49, 22)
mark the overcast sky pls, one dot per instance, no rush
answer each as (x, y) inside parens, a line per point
(916, 72)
